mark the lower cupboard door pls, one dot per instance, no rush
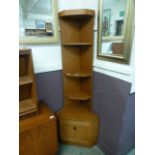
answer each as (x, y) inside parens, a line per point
(75, 131)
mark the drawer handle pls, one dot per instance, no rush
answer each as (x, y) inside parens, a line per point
(74, 128)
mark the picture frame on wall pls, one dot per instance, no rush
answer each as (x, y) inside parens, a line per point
(38, 22)
(106, 22)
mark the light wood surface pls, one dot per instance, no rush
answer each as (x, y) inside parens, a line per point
(25, 80)
(79, 12)
(78, 73)
(79, 95)
(27, 87)
(77, 59)
(77, 124)
(38, 134)
(26, 107)
(79, 132)
(77, 112)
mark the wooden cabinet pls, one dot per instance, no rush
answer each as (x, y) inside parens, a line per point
(27, 88)
(76, 131)
(77, 123)
(38, 130)
(38, 133)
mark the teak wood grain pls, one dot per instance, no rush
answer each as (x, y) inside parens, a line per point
(38, 134)
(79, 12)
(79, 132)
(77, 124)
(26, 107)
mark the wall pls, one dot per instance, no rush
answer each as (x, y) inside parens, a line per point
(111, 102)
(50, 89)
(127, 137)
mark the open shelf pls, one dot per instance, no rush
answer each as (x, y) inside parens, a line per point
(26, 107)
(27, 88)
(25, 80)
(77, 59)
(77, 88)
(24, 63)
(25, 91)
(77, 32)
(78, 95)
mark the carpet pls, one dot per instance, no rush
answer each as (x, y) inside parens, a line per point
(76, 150)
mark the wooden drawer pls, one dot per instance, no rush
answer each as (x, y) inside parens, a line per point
(78, 132)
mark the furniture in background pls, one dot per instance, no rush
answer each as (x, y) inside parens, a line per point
(77, 123)
(38, 133)
(37, 125)
(118, 48)
(27, 88)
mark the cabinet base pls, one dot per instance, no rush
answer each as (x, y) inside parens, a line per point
(76, 131)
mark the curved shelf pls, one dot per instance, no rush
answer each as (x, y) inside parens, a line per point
(77, 113)
(78, 74)
(77, 12)
(78, 96)
(23, 80)
(77, 44)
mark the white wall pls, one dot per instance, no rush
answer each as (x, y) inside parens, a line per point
(48, 57)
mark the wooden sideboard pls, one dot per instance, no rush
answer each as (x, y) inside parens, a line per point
(38, 133)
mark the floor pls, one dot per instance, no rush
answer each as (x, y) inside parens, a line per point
(132, 152)
(75, 150)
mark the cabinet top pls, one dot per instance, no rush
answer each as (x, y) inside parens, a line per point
(78, 113)
(45, 115)
(24, 51)
(77, 12)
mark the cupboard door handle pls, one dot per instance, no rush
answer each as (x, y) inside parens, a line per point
(74, 128)
(51, 117)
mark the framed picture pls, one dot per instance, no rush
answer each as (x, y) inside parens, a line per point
(106, 22)
(115, 30)
(38, 22)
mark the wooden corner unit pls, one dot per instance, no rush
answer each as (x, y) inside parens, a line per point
(27, 88)
(77, 123)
